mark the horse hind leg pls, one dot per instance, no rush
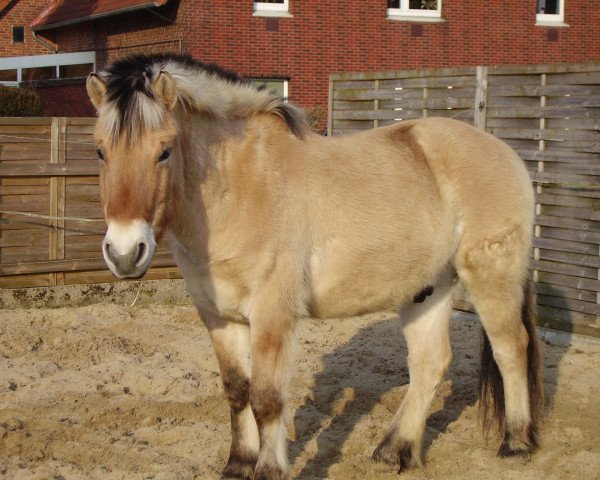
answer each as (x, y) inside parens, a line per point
(426, 329)
(495, 274)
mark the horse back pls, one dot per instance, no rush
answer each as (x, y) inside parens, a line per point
(380, 228)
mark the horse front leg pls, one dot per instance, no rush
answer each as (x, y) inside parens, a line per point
(271, 342)
(231, 342)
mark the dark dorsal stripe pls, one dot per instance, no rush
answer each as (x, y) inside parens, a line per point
(423, 294)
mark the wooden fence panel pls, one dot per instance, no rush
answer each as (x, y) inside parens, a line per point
(49, 170)
(389, 97)
(24, 143)
(550, 114)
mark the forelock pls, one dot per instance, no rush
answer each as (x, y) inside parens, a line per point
(131, 119)
(131, 107)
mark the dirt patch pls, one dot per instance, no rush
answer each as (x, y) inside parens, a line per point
(141, 293)
(115, 392)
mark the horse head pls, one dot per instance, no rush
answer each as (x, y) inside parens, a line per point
(135, 136)
(143, 102)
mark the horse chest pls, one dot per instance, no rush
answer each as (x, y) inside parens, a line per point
(226, 294)
(215, 287)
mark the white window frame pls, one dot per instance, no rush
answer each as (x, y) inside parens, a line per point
(264, 9)
(285, 81)
(552, 19)
(35, 61)
(406, 13)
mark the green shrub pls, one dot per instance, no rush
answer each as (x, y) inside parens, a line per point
(19, 102)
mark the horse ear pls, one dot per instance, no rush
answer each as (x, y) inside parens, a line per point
(164, 88)
(96, 89)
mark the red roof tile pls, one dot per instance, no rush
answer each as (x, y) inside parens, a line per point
(65, 12)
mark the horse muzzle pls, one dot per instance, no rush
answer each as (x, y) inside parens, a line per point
(128, 248)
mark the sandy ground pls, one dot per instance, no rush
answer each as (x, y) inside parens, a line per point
(113, 392)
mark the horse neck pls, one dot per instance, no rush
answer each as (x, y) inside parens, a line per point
(224, 163)
(205, 155)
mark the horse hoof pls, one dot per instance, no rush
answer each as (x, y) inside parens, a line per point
(398, 453)
(269, 472)
(519, 444)
(507, 451)
(238, 469)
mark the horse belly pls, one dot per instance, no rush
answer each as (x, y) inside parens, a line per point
(345, 285)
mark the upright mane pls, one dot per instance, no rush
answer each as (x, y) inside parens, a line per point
(131, 106)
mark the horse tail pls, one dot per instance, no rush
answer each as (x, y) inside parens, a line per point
(491, 389)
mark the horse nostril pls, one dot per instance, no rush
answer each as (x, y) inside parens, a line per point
(141, 252)
(106, 249)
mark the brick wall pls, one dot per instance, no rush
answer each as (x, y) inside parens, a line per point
(333, 36)
(20, 13)
(115, 36)
(64, 97)
(341, 36)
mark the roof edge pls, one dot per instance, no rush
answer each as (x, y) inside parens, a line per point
(38, 28)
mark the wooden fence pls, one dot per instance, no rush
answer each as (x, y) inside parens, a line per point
(550, 114)
(49, 175)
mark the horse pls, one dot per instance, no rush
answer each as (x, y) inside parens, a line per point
(269, 223)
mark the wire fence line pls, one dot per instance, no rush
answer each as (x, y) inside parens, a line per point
(42, 140)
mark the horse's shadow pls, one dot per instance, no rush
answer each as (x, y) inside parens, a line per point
(371, 364)
(552, 357)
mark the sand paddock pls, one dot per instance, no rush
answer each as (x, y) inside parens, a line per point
(108, 391)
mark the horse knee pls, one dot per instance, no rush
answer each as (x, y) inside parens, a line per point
(237, 388)
(267, 403)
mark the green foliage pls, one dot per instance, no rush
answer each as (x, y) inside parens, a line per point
(19, 102)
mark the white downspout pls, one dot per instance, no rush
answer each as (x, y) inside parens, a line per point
(53, 47)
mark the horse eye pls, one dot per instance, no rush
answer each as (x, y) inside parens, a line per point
(99, 153)
(166, 153)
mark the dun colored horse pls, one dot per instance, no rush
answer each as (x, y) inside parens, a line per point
(270, 223)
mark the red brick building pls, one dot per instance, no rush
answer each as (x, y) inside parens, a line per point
(300, 42)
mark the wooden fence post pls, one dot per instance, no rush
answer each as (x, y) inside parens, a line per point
(57, 197)
(330, 109)
(481, 88)
(376, 106)
(537, 230)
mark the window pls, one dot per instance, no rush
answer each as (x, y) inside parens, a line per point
(550, 12)
(18, 34)
(75, 70)
(278, 86)
(414, 8)
(38, 73)
(8, 75)
(275, 8)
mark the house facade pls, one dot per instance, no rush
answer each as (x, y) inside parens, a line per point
(293, 45)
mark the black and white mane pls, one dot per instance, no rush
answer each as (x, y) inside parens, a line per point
(131, 106)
